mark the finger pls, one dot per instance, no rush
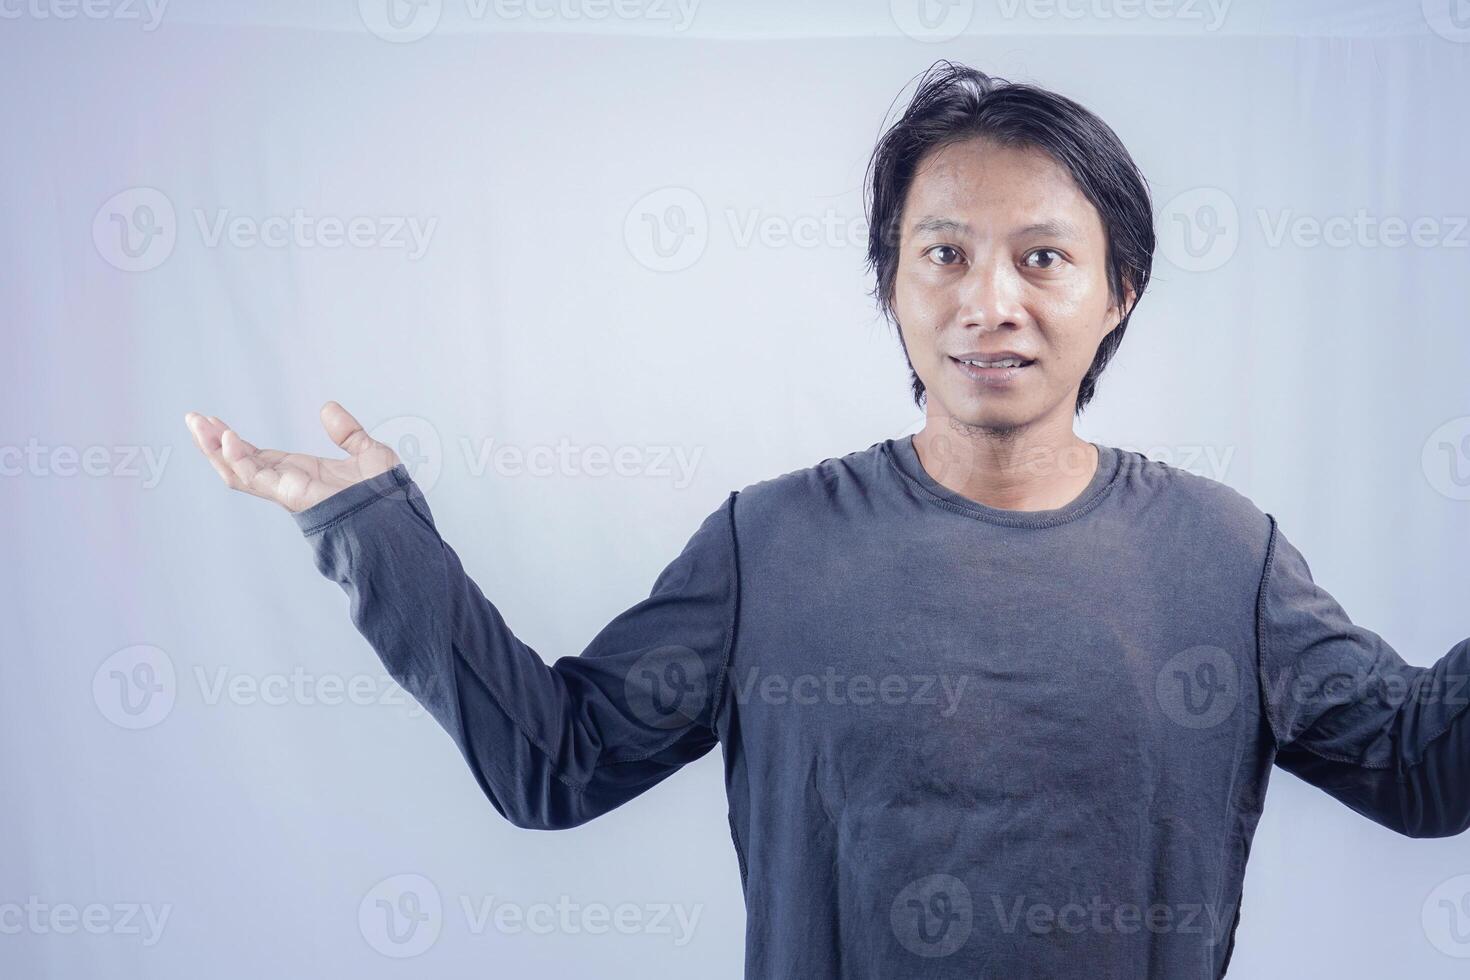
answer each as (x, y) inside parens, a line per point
(345, 430)
(248, 466)
(207, 431)
(206, 437)
(199, 429)
(234, 445)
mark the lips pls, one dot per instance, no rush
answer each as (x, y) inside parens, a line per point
(994, 372)
(998, 359)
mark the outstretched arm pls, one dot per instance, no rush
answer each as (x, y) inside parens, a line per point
(1349, 715)
(552, 746)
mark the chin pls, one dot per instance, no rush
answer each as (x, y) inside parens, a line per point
(989, 418)
(964, 404)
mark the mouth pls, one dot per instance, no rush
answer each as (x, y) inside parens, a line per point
(996, 370)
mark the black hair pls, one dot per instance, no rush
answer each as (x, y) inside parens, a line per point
(954, 102)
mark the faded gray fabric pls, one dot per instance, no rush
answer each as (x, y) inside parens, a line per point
(958, 741)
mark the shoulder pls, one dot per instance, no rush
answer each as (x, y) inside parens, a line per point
(1210, 510)
(813, 489)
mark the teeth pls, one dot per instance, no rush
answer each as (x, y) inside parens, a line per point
(1006, 362)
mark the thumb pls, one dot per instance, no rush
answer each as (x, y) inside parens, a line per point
(345, 430)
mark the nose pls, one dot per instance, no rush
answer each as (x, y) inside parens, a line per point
(990, 295)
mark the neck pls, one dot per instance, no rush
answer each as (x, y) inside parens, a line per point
(1043, 466)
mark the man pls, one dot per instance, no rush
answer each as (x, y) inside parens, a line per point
(993, 700)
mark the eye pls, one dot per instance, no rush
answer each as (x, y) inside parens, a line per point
(945, 250)
(1056, 258)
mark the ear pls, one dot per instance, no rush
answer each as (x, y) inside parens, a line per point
(1116, 312)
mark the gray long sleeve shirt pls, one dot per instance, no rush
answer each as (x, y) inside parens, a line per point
(959, 741)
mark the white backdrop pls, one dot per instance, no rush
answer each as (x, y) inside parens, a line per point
(559, 226)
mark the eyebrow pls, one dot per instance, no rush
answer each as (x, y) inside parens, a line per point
(1052, 227)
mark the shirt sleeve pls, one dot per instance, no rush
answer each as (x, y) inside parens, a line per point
(552, 746)
(1349, 716)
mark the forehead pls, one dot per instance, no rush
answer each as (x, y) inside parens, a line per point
(980, 181)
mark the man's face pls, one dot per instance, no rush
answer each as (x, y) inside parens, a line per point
(1000, 251)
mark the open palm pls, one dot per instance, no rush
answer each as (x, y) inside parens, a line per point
(296, 481)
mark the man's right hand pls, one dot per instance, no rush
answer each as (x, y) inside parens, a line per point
(293, 480)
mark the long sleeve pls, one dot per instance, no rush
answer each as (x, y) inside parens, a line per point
(551, 746)
(1389, 739)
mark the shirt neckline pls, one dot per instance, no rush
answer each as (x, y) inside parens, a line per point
(905, 459)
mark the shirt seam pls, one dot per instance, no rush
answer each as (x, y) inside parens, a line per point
(1261, 641)
(716, 699)
(734, 628)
